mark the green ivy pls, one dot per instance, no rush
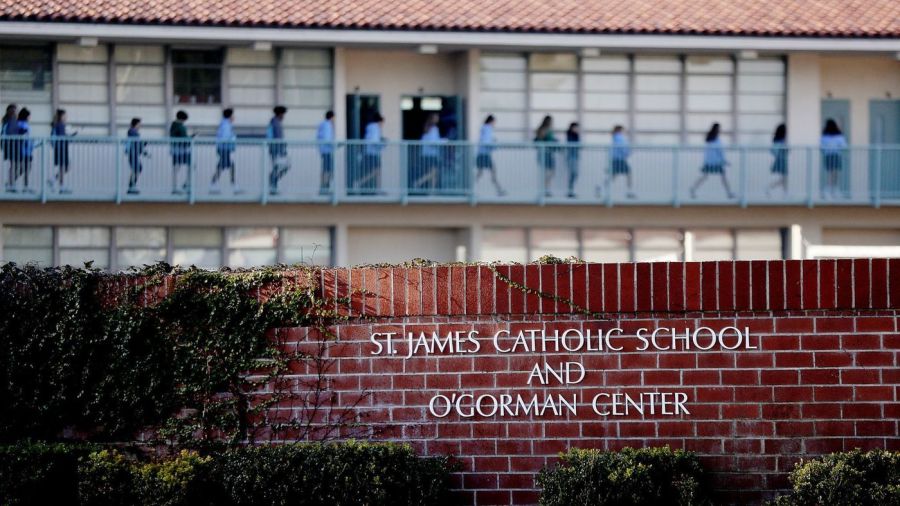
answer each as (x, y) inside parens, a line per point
(84, 357)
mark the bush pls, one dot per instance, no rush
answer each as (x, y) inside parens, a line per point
(334, 474)
(646, 476)
(846, 479)
(40, 473)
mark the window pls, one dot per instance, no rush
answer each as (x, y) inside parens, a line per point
(201, 247)
(504, 245)
(658, 246)
(558, 242)
(197, 76)
(80, 245)
(759, 245)
(25, 68)
(306, 246)
(24, 245)
(137, 246)
(606, 245)
(252, 246)
(712, 245)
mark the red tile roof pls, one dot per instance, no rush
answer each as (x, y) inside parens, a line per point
(815, 18)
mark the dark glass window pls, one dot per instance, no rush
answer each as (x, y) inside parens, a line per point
(197, 76)
(25, 68)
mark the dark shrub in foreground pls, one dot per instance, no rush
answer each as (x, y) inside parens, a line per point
(315, 474)
(40, 473)
(846, 479)
(646, 476)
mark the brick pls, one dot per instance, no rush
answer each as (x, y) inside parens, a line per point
(399, 294)
(676, 286)
(660, 281)
(579, 285)
(793, 276)
(775, 272)
(876, 324)
(709, 284)
(548, 286)
(502, 289)
(692, 286)
(516, 295)
(810, 275)
(442, 294)
(844, 284)
(533, 282)
(827, 284)
(385, 291)
(726, 286)
(563, 274)
(486, 290)
(611, 291)
(742, 286)
(595, 288)
(893, 283)
(759, 280)
(473, 293)
(457, 290)
(862, 284)
(627, 277)
(644, 286)
(879, 283)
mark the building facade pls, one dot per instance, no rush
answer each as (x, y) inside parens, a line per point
(666, 87)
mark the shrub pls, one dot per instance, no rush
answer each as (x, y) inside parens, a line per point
(34, 473)
(846, 479)
(646, 476)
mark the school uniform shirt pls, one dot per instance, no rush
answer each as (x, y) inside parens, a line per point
(24, 129)
(432, 135)
(135, 146)
(833, 144)
(373, 138)
(486, 140)
(620, 148)
(325, 136)
(225, 135)
(9, 127)
(714, 155)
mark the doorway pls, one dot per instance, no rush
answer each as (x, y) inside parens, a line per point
(433, 169)
(360, 111)
(884, 137)
(839, 111)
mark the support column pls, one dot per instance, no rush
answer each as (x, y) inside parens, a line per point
(339, 92)
(472, 93)
(803, 99)
(473, 242)
(340, 245)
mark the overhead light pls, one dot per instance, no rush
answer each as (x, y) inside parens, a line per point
(590, 52)
(87, 41)
(748, 54)
(262, 46)
(428, 49)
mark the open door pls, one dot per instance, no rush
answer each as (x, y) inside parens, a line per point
(415, 111)
(361, 109)
(884, 137)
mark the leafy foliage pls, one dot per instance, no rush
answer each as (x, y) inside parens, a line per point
(646, 476)
(84, 356)
(40, 473)
(846, 479)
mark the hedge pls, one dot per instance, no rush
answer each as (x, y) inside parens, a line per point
(846, 479)
(646, 476)
(350, 473)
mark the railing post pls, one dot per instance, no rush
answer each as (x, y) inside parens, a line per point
(403, 159)
(338, 177)
(43, 182)
(118, 169)
(470, 161)
(191, 179)
(876, 198)
(676, 197)
(809, 177)
(264, 198)
(742, 160)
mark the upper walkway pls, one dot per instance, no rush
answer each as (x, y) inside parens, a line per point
(101, 169)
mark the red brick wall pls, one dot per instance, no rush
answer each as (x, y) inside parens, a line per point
(824, 378)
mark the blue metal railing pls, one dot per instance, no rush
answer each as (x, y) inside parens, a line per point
(260, 171)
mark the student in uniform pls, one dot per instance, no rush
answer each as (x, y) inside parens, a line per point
(573, 152)
(325, 138)
(369, 179)
(135, 150)
(779, 161)
(180, 148)
(714, 162)
(618, 160)
(225, 146)
(23, 150)
(546, 141)
(277, 148)
(60, 151)
(428, 176)
(9, 128)
(833, 144)
(484, 160)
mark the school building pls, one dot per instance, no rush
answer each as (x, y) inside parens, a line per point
(665, 71)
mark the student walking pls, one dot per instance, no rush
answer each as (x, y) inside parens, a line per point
(135, 150)
(779, 161)
(325, 138)
(225, 146)
(546, 151)
(180, 149)
(277, 148)
(714, 162)
(428, 176)
(369, 178)
(60, 145)
(618, 160)
(23, 151)
(484, 160)
(8, 128)
(833, 144)
(573, 149)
